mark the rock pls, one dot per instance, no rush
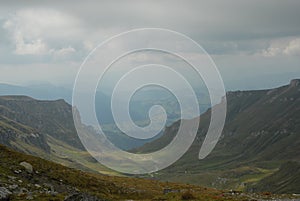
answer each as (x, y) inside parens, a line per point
(28, 167)
(13, 186)
(17, 171)
(82, 197)
(11, 177)
(4, 194)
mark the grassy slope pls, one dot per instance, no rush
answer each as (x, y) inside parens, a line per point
(65, 180)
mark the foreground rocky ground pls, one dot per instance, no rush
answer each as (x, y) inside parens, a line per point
(24, 177)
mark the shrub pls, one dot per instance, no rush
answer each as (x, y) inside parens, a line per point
(187, 196)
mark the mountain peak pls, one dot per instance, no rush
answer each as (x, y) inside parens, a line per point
(13, 97)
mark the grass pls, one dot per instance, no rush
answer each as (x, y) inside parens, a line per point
(72, 157)
(102, 186)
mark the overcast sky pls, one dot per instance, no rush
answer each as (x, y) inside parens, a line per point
(255, 44)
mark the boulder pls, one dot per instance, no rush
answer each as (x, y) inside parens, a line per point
(28, 167)
(82, 197)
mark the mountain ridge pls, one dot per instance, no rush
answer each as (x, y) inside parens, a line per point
(261, 133)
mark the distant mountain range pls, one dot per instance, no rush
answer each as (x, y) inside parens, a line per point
(139, 107)
(41, 91)
(261, 134)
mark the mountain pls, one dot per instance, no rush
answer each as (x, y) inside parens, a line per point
(40, 91)
(51, 118)
(25, 177)
(54, 118)
(45, 129)
(140, 105)
(261, 133)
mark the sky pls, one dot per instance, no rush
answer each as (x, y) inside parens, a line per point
(255, 44)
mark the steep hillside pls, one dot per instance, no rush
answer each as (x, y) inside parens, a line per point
(45, 129)
(261, 133)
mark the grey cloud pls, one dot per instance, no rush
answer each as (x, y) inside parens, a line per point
(217, 20)
(231, 27)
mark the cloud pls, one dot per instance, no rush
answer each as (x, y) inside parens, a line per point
(36, 47)
(241, 36)
(223, 27)
(293, 48)
(32, 31)
(283, 47)
(63, 52)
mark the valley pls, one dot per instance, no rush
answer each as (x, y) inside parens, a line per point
(258, 151)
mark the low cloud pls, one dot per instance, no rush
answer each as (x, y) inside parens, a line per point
(290, 47)
(293, 48)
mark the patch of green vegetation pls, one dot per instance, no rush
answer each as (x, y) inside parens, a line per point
(284, 180)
